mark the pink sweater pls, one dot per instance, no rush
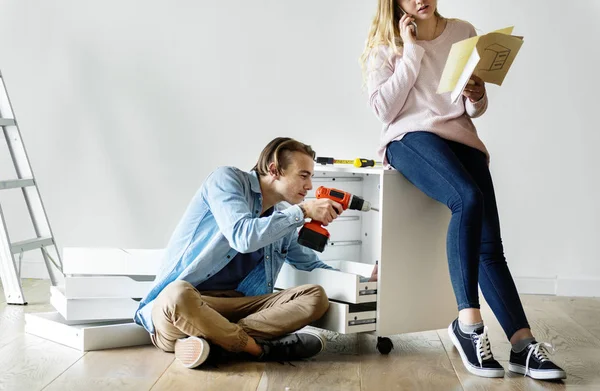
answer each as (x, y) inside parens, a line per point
(402, 91)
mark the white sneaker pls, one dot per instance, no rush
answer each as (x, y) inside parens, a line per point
(192, 351)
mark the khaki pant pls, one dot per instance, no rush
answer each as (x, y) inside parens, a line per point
(227, 318)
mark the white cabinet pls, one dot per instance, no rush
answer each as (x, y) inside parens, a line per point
(407, 237)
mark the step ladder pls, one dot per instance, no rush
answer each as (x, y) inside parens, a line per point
(44, 240)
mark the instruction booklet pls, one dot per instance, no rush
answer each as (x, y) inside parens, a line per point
(488, 56)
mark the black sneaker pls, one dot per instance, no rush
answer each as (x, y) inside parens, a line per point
(475, 351)
(533, 361)
(297, 346)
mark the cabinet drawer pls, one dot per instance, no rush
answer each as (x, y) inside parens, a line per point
(344, 285)
(87, 336)
(85, 287)
(91, 309)
(348, 318)
(111, 261)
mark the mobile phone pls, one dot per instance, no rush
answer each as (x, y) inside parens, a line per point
(413, 23)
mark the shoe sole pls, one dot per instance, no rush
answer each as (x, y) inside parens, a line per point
(470, 367)
(191, 351)
(316, 334)
(547, 374)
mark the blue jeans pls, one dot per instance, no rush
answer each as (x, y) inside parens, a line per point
(458, 176)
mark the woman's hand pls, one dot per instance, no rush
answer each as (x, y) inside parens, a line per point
(374, 274)
(476, 90)
(406, 29)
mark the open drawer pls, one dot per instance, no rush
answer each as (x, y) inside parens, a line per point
(344, 285)
(92, 309)
(348, 318)
(84, 287)
(111, 261)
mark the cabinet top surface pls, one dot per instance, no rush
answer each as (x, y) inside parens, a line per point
(320, 168)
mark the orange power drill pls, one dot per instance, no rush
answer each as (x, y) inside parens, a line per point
(312, 234)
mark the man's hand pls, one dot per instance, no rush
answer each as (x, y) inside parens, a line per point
(323, 210)
(475, 90)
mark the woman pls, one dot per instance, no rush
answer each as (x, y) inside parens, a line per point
(435, 145)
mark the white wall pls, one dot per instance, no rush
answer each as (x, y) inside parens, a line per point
(117, 101)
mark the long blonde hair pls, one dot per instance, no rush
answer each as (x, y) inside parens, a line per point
(384, 30)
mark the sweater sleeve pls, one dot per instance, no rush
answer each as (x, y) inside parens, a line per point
(389, 83)
(476, 109)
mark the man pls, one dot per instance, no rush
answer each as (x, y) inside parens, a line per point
(216, 281)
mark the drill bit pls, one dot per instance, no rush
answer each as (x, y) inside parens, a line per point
(375, 209)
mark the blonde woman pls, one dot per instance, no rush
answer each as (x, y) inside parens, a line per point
(435, 145)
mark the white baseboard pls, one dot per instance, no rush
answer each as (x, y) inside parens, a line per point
(581, 287)
(588, 287)
(525, 285)
(536, 286)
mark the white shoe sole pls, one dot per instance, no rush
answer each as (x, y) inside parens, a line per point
(470, 367)
(538, 374)
(191, 351)
(316, 334)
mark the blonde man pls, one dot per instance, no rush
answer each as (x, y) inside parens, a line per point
(215, 286)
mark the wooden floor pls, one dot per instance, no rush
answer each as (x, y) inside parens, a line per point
(421, 361)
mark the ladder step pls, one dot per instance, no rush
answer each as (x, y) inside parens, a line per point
(7, 122)
(31, 244)
(16, 183)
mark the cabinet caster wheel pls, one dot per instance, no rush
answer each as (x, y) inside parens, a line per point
(384, 345)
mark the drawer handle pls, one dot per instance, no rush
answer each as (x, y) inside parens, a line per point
(346, 243)
(366, 292)
(361, 321)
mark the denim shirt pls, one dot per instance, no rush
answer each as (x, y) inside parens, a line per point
(223, 219)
